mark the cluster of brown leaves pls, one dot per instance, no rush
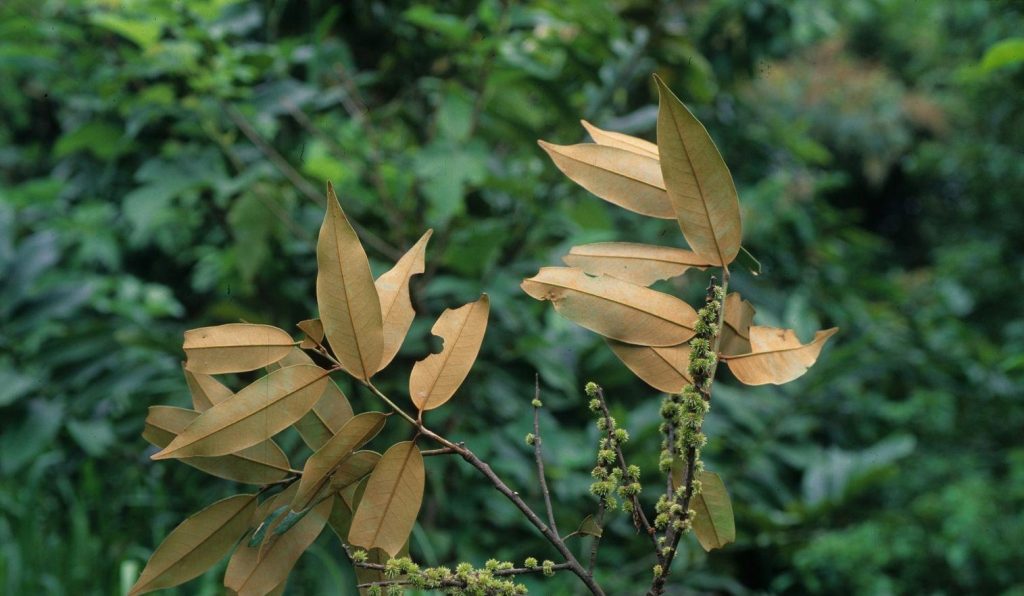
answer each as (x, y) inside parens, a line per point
(370, 500)
(606, 286)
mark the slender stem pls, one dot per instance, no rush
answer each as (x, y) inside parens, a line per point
(539, 456)
(416, 424)
(672, 536)
(434, 452)
(599, 518)
(455, 582)
(639, 517)
(511, 495)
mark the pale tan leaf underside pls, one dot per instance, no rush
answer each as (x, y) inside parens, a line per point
(346, 295)
(355, 467)
(699, 186)
(621, 141)
(614, 308)
(206, 390)
(255, 571)
(436, 378)
(196, 544)
(739, 314)
(328, 415)
(665, 369)
(714, 524)
(778, 356)
(629, 180)
(356, 433)
(389, 506)
(395, 304)
(253, 415)
(262, 463)
(641, 264)
(235, 347)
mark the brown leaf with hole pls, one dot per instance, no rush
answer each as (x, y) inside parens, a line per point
(196, 544)
(315, 473)
(436, 378)
(739, 314)
(388, 509)
(665, 369)
(395, 304)
(328, 415)
(206, 390)
(777, 356)
(614, 308)
(346, 295)
(641, 264)
(714, 524)
(235, 347)
(699, 186)
(621, 141)
(253, 415)
(621, 177)
(255, 571)
(262, 463)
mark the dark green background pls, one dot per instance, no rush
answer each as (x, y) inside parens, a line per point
(162, 166)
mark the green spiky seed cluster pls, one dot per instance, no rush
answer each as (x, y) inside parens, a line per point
(464, 580)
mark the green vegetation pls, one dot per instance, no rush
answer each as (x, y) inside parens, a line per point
(162, 167)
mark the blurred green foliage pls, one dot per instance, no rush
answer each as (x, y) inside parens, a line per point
(162, 166)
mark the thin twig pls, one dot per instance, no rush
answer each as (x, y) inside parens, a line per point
(441, 451)
(639, 518)
(499, 484)
(672, 536)
(539, 456)
(599, 519)
(456, 582)
(297, 179)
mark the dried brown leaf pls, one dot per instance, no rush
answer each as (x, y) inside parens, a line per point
(356, 433)
(235, 347)
(777, 356)
(206, 390)
(641, 264)
(436, 378)
(614, 308)
(357, 466)
(196, 544)
(629, 180)
(395, 304)
(328, 415)
(262, 463)
(388, 510)
(621, 141)
(664, 368)
(314, 330)
(739, 314)
(699, 185)
(255, 571)
(253, 415)
(346, 295)
(714, 524)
